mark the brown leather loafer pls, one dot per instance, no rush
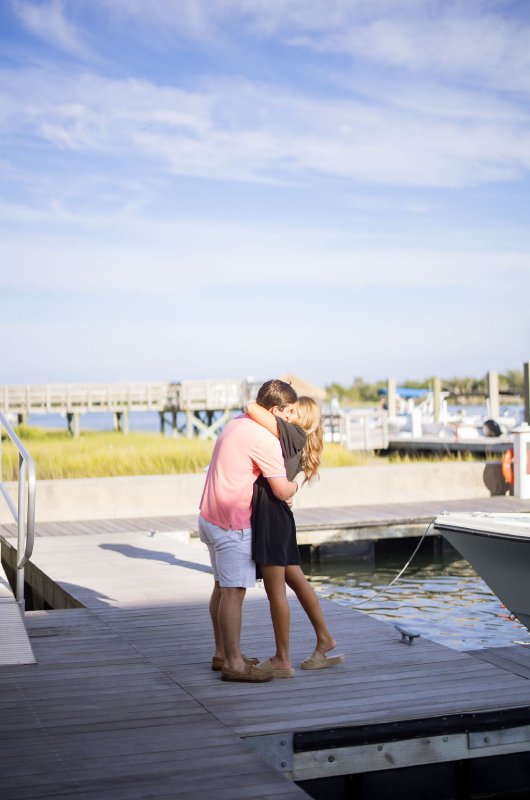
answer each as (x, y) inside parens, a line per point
(218, 662)
(251, 674)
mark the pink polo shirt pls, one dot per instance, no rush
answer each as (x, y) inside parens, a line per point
(242, 452)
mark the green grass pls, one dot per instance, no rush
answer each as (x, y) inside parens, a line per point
(100, 454)
(424, 457)
(94, 455)
(334, 455)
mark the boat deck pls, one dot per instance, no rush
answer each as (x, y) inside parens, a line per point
(123, 704)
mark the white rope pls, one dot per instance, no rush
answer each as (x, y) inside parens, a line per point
(398, 576)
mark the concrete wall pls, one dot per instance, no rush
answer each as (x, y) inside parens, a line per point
(165, 495)
(402, 483)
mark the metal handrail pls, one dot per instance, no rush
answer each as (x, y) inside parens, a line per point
(24, 514)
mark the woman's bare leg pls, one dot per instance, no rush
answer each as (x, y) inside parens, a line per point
(274, 580)
(297, 581)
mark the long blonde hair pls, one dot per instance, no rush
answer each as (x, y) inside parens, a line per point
(309, 418)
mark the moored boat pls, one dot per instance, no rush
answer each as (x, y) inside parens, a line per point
(498, 547)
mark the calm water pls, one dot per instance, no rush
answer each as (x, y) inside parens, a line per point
(441, 597)
(144, 421)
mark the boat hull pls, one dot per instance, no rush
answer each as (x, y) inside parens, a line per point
(502, 562)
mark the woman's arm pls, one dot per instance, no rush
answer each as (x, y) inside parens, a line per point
(263, 417)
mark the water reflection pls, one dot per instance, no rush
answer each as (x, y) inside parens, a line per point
(442, 598)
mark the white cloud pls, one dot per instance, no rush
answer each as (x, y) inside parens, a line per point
(48, 21)
(482, 40)
(155, 257)
(94, 217)
(260, 132)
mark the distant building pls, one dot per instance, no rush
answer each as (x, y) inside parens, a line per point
(303, 387)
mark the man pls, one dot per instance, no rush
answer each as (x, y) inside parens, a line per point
(243, 451)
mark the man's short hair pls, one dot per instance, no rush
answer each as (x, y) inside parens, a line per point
(276, 393)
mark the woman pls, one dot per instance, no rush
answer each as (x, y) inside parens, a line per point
(274, 547)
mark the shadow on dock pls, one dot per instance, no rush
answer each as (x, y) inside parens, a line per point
(130, 551)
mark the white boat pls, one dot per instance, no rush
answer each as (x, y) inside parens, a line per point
(498, 547)
(416, 418)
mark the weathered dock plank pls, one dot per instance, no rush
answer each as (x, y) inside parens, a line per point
(89, 729)
(123, 703)
(307, 519)
(513, 659)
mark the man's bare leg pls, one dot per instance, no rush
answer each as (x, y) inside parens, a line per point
(230, 612)
(215, 599)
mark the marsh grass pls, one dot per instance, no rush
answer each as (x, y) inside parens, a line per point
(334, 455)
(98, 454)
(107, 454)
(427, 458)
(95, 455)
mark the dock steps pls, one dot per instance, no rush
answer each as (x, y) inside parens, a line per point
(15, 647)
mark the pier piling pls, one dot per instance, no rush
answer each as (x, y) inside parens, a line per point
(526, 391)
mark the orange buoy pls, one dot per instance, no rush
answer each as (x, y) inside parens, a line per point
(507, 465)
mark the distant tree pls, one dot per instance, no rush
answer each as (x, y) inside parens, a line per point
(424, 384)
(512, 382)
(366, 392)
(466, 387)
(336, 390)
(358, 392)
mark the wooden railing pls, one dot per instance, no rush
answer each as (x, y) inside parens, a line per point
(99, 397)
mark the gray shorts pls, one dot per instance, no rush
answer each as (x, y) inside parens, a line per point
(230, 554)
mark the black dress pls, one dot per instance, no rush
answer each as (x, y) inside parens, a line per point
(273, 525)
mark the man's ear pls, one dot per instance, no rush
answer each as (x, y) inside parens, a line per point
(274, 410)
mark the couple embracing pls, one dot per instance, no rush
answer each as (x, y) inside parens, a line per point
(247, 523)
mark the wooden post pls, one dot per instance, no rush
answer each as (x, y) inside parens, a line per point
(526, 397)
(162, 422)
(189, 424)
(72, 420)
(493, 395)
(125, 421)
(391, 397)
(115, 420)
(437, 398)
(174, 427)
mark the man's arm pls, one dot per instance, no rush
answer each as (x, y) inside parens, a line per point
(282, 488)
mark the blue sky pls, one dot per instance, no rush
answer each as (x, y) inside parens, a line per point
(225, 188)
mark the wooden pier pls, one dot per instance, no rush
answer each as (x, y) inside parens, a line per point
(122, 702)
(206, 404)
(486, 446)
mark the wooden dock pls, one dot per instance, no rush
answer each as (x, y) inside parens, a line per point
(314, 525)
(123, 704)
(482, 445)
